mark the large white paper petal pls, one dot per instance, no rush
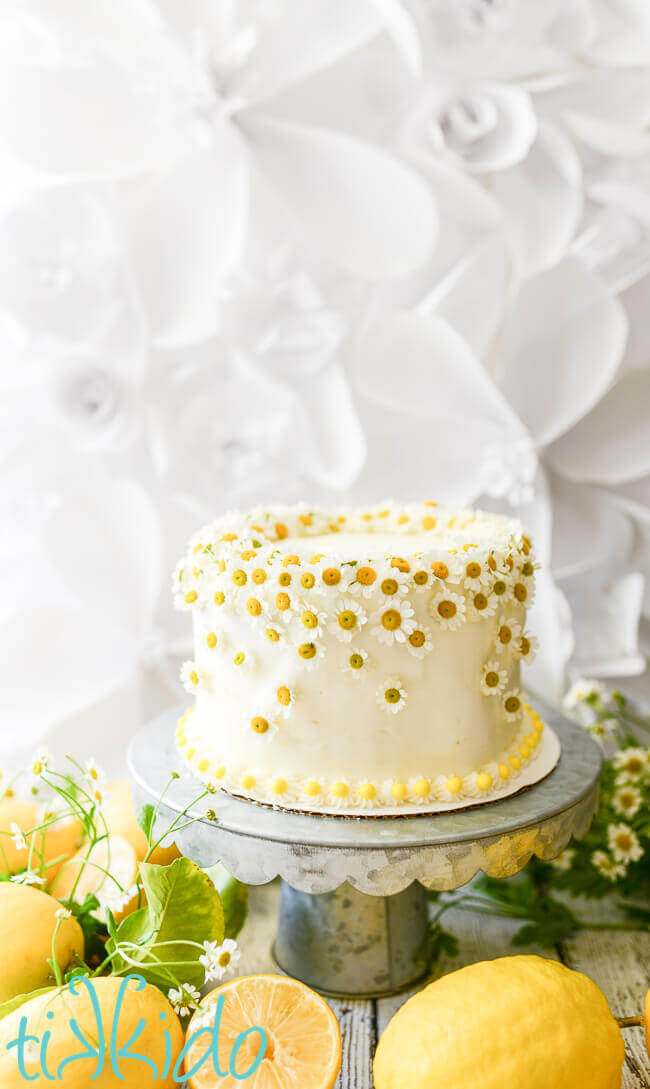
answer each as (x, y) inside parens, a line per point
(419, 366)
(472, 296)
(542, 200)
(623, 32)
(186, 230)
(354, 204)
(302, 39)
(331, 442)
(562, 346)
(589, 529)
(612, 444)
(606, 621)
(621, 97)
(551, 620)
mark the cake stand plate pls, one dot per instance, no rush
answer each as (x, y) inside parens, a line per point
(353, 917)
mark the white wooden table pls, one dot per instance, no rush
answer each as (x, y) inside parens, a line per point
(619, 962)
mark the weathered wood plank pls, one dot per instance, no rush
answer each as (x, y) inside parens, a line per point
(619, 962)
(359, 1039)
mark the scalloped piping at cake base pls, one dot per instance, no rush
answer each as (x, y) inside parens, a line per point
(361, 795)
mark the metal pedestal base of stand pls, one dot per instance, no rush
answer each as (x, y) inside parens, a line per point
(348, 944)
(353, 917)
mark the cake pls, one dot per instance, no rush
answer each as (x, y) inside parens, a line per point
(358, 660)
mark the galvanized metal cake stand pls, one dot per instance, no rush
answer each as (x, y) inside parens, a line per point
(353, 917)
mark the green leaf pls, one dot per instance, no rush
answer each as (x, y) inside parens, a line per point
(146, 818)
(234, 898)
(183, 907)
(20, 999)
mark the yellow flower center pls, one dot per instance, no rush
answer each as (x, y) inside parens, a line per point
(440, 569)
(224, 960)
(273, 635)
(505, 634)
(307, 650)
(312, 788)
(499, 587)
(527, 569)
(309, 619)
(229, 537)
(480, 602)
(291, 559)
(340, 790)
(491, 679)
(284, 578)
(520, 591)
(446, 609)
(366, 576)
(281, 530)
(389, 587)
(623, 841)
(524, 645)
(306, 519)
(416, 638)
(391, 619)
(356, 661)
(399, 791)
(428, 522)
(239, 658)
(259, 724)
(347, 619)
(401, 565)
(367, 791)
(512, 704)
(307, 580)
(421, 578)
(283, 602)
(473, 570)
(219, 597)
(239, 577)
(331, 576)
(190, 597)
(211, 639)
(634, 765)
(194, 677)
(284, 695)
(254, 606)
(392, 695)
(421, 788)
(259, 575)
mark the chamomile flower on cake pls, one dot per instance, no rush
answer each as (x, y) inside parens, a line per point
(392, 584)
(446, 569)
(493, 678)
(310, 654)
(526, 646)
(475, 575)
(393, 623)
(523, 592)
(624, 843)
(193, 677)
(364, 583)
(391, 695)
(421, 578)
(481, 605)
(512, 704)
(286, 697)
(448, 609)
(356, 663)
(215, 640)
(265, 725)
(508, 631)
(244, 661)
(347, 619)
(420, 642)
(312, 620)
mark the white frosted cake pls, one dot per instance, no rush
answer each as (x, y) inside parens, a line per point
(358, 659)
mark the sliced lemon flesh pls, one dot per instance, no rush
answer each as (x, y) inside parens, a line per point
(303, 1040)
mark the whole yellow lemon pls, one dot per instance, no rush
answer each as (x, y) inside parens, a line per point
(46, 849)
(513, 1023)
(121, 820)
(28, 918)
(160, 1040)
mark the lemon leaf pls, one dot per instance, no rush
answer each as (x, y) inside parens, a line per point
(165, 938)
(234, 897)
(20, 999)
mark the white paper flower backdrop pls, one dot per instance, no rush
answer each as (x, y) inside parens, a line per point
(315, 248)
